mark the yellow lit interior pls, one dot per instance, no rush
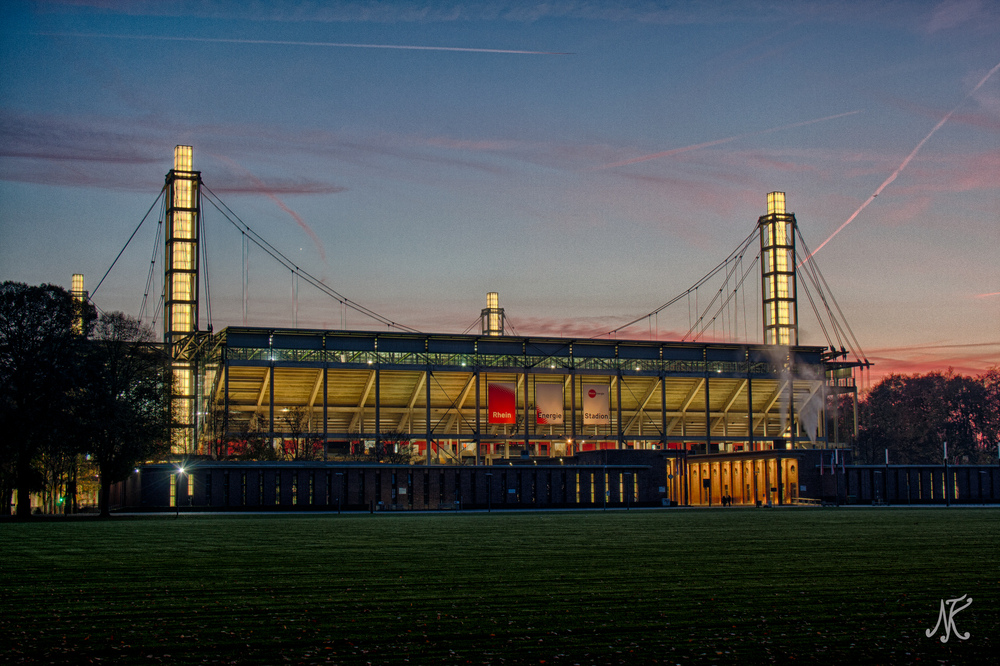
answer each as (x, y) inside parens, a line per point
(181, 260)
(183, 257)
(77, 284)
(182, 158)
(776, 203)
(181, 288)
(180, 317)
(493, 316)
(779, 258)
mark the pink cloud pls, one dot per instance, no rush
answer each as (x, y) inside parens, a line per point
(970, 359)
(91, 151)
(287, 187)
(986, 120)
(953, 14)
(272, 195)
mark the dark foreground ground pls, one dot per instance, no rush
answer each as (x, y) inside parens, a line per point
(665, 586)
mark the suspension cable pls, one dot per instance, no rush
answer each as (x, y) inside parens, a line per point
(731, 296)
(842, 321)
(694, 288)
(708, 307)
(150, 277)
(204, 254)
(280, 257)
(120, 253)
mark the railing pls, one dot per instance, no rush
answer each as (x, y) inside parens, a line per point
(470, 362)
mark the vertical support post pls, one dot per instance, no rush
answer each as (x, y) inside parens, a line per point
(708, 409)
(225, 404)
(527, 419)
(618, 410)
(684, 483)
(427, 390)
(836, 421)
(792, 423)
(479, 432)
(326, 380)
(378, 405)
(572, 407)
(270, 403)
(854, 394)
(663, 410)
(778, 464)
(886, 482)
(947, 478)
(750, 438)
(194, 404)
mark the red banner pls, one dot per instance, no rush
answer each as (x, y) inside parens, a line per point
(501, 401)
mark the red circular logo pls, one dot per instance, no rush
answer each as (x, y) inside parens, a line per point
(592, 393)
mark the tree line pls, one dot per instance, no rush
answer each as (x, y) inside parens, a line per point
(912, 416)
(81, 394)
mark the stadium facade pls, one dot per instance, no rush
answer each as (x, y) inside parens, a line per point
(681, 422)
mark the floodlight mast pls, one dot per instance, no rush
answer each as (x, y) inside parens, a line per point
(492, 315)
(777, 268)
(180, 297)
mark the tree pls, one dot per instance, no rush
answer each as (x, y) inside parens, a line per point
(298, 445)
(42, 331)
(253, 442)
(125, 416)
(991, 413)
(913, 415)
(393, 447)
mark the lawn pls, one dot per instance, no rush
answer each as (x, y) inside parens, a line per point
(850, 585)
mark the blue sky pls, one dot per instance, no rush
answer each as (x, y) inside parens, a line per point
(587, 160)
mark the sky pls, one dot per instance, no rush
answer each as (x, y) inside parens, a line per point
(589, 161)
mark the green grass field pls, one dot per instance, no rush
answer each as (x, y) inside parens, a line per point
(664, 586)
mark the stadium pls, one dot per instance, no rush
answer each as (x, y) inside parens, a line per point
(401, 419)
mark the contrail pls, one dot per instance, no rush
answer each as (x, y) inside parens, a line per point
(902, 166)
(674, 151)
(995, 293)
(281, 204)
(407, 47)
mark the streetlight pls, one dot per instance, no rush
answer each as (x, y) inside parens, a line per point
(177, 504)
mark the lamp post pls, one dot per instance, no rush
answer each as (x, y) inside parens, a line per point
(886, 481)
(947, 494)
(177, 504)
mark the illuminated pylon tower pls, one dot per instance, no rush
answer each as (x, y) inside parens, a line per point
(180, 287)
(492, 315)
(777, 270)
(80, 297)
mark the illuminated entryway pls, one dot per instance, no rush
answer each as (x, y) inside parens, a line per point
(767, 477)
